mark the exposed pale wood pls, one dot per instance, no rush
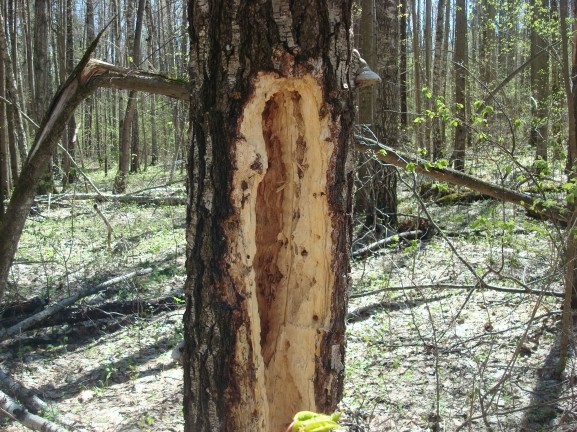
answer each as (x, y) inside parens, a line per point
(108, 227)
(269, 214)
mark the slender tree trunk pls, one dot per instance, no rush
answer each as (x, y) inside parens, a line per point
(88, 124)
(540, 90)
(14, 96)
(487, 41)
(42, 76)
(368, 52)
(69, 172)
(5, 177)
(403, 62)
(388, 101)
(128, 126)
(417, 72)
(460, 62)
(268, 220)
(439, 75)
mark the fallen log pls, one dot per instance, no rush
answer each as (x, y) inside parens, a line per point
(534, 205)
(379, 244)
(131, 199)
(26, 307)
(62, 304)
(78, 314)
(31, 421)
(29, 399)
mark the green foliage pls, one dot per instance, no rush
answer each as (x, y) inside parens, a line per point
(308, 421)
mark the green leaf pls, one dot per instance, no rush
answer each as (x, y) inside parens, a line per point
(426, 92)
(308, 421)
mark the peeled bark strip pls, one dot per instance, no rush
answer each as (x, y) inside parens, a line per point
(269, 214)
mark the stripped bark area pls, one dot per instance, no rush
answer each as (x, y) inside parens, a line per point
(269, 225)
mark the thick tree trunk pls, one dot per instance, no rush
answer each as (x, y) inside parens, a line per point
(269, 214)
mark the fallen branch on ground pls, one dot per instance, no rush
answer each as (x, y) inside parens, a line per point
(31, 421)
(78, 314)
(533, 205)
(28, 398)
(441, 286)
(408, 235)
(62, 304)
(131, 199)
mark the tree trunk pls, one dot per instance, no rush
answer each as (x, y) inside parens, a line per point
(540, 90)
(460, 62)
(42, 76)
(388, 101)
(269, 215)
(128, 124)
(403, 62)
(69, 172)
(438, 85)
(368, 52)
(487, 42)
(417, 72)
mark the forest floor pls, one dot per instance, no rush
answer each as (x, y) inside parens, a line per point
(427, 348)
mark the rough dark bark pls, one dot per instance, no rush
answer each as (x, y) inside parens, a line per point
(269, 214)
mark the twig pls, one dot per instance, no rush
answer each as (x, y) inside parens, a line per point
(108, 226)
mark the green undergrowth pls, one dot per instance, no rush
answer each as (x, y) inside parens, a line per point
(65, 248)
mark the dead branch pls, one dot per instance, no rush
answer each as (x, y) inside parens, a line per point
(23, 307)
(62, 304)
(28, 398)
(393, 157)
(78, 314)
(408, 235)
(130, 198)
(108, 227)
(441, 286)
(31, 421)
